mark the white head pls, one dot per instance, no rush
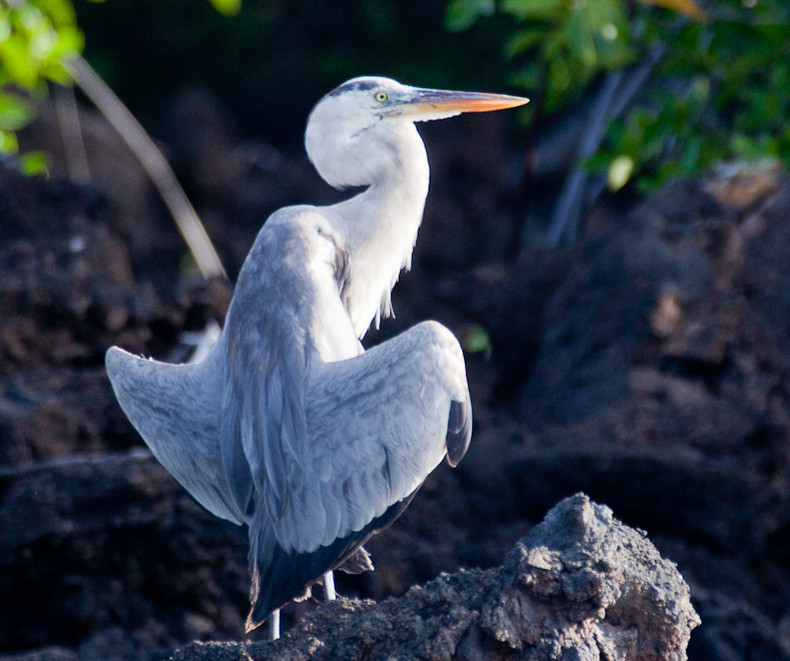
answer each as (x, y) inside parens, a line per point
(357, 133)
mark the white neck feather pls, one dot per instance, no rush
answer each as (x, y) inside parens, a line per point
(379, 226)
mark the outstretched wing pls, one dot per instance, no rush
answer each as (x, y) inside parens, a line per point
(175, 408)
(377, 425)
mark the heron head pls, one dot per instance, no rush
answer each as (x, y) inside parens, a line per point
(364, 101)
(341, 121)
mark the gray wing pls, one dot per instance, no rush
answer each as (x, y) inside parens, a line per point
(262, 431)
(378, 424)
(176, 410)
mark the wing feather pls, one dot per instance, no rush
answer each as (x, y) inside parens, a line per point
(263, 427)
(378, 425)
(176, 410)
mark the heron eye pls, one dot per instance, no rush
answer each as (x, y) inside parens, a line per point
(381, 97)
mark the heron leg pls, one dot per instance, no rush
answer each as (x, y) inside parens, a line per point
(329, 586)
(274, 625)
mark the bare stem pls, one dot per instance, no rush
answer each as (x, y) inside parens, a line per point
(71, 132)
(153, 161)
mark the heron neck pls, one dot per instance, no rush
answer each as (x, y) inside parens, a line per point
(379, 228)
(386, 216)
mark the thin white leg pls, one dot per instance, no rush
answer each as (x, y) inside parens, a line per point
(274, 625)
(329, 586)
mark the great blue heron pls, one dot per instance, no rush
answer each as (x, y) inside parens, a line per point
(361, 134)
(323, 444)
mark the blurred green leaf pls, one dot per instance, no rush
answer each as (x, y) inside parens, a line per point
(34, 162)
(722, 88)
(461, 14)
(17, 63)
(37, 38)
(60, 12)
(8, 142)
(227, 7)
(477, 340)
(523, 40)
(534, 10)
(15, 113)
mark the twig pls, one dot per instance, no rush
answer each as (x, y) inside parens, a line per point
(568, 209)
(22, 470)
(637, 76)
(153, 161)
(616, 93)
(71, 133)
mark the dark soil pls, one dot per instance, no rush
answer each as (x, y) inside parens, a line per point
(646, 365)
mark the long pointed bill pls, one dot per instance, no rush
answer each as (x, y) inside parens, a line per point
(427, 104)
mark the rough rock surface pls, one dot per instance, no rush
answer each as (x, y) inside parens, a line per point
(581, 586)
(92, 539)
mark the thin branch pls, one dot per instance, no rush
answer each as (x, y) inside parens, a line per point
(153, 161)
(71, 133)
(568, 209)
(23, 470)
(615, 95)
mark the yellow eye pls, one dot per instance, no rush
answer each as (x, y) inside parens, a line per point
(381, 97)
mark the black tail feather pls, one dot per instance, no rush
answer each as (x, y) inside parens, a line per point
(459, 430)
(287, 574)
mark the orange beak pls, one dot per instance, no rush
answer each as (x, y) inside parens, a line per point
(429, 104)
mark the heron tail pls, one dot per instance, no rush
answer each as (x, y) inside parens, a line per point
(279, 575)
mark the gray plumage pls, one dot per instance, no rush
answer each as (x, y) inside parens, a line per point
(288, 426)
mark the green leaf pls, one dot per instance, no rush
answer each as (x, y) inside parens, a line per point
(5, 25)
(557, 82)
(461, 14)
(34, 162)
(70, 42)
(227, 7)
(620, 171)
(42, 43)
(580, 38)
(59, 12)
(523, 40)
(8, 142)
(534, 10)
(477, 340)
(36, 38)
(15, 113)
(16, 61)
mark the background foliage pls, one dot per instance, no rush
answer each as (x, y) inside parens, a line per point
(721, 88)
(723, 81)
(37, 38)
